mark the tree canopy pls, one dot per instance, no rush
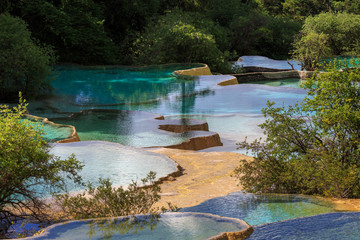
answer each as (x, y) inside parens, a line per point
(24, 64)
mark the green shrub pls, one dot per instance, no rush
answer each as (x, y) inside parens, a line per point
(108, 201)
(27, 170)
(312, 147)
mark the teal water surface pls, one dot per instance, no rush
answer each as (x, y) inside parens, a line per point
(52, 132)
(88, 86)
(155, 90)
(260, 209)
(131, 128)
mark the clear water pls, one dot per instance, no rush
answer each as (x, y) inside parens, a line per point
(87, 86)
(131, 128)
(261, 209)
(179, 226)
(233, 128)
(199, 96)
(260, 61)
(120, 163)
(52, 133)
(331, 226)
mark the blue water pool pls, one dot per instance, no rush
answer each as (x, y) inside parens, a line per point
(121, 164)
(261, 209)
(88, 86)
(331, 226)
(179, 226)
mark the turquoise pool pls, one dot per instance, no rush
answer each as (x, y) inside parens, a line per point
(261, 209)
(78, 89)
(52, 132)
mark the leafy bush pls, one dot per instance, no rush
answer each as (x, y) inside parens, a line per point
(342, 30)
(312, 147)
(310, 49)
(106, 201)
(27, 170)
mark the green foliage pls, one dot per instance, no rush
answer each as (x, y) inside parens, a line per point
(106, 201)
(342, 29)
(300, 9)
(310, 49)
(259, 34)
(74, 28)
(327, 34)
(311, 148)
(180, 37)
(27, 170)
(24, 66)
(112, 31)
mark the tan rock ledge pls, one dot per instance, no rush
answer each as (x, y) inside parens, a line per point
(206, 175)
(211, 139)
(205, 70)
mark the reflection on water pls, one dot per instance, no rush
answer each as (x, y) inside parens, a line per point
(179, 226)
(108, 228)
(286, 82)
(331, 226)
(131, 128)
(86, 86)
(260, 209)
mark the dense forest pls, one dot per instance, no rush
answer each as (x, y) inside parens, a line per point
(143, 32)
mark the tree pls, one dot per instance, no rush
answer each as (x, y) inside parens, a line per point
(74, 28)
(24, 65)
(255, 33)
(342, 30)
(182, 38)
(327, 34)
(27, 171)
(312, 147)
(310, 49)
